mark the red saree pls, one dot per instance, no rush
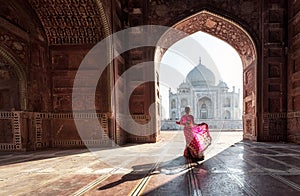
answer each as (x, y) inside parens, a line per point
(197, 137)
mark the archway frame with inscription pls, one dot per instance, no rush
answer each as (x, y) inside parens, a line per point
(236, 36)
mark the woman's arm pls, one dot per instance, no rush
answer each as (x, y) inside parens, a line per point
(181, 122)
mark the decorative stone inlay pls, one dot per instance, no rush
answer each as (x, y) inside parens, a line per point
(16, 45)
(248, 126)
(249, 108)
(17, 127)
(249, 77)
(210, 23)
(166, 12)
(70, 22)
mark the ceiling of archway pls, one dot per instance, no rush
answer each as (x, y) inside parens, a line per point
(223, 29)
(70, 22)
(19, 14)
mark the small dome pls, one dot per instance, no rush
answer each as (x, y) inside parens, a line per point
(184, 85)
(222, 85)
(201, 76)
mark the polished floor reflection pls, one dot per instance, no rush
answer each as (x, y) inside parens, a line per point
(231, 167)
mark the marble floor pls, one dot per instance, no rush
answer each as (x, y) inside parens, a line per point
(231, 167)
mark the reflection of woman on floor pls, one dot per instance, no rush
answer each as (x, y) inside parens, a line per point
(197, 136)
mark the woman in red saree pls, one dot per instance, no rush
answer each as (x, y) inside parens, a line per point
(197, 136)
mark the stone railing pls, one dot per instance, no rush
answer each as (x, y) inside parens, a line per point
(7, 147)
(14, 121)
(18, 123)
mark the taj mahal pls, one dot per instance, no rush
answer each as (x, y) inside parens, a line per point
(209, 101)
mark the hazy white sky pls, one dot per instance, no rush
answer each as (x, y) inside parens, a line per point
(184, 55)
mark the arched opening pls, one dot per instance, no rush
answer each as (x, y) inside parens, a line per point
(203, 111)
(227, 115)
(205, 108)
(173, 104)
(237, 37)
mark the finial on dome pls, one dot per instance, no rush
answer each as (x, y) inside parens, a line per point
(200, 60)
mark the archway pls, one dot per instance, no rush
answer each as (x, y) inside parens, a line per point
(241, 41)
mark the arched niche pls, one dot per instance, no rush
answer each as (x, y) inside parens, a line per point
(15, 67)
(238, 37)
(205, 108)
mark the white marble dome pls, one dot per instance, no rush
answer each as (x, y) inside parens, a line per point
(201, 76)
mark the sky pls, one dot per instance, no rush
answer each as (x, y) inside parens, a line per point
(184, 55)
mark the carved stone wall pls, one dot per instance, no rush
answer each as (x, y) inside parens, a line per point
(274, 69)
(70, 22)
(19, 13)
(64, 65)
(39, 85)
(64, 62)
(15, 45)
(222, 29)
(133, 13)
(59, 130)
(293, 72)
(169, 12)
(24, 48)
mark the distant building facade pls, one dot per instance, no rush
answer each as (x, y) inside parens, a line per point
(209, 102)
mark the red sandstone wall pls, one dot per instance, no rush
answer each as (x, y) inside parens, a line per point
(49, 56)
(23, 38)
(294, 72)
(24, 51)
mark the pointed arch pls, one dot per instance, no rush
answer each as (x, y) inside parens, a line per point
(239, 38)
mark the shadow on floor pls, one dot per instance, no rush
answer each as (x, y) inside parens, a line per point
(171, 167)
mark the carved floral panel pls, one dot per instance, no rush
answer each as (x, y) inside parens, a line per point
(70, 22)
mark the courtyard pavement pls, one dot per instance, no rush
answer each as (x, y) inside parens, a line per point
(231, 167)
